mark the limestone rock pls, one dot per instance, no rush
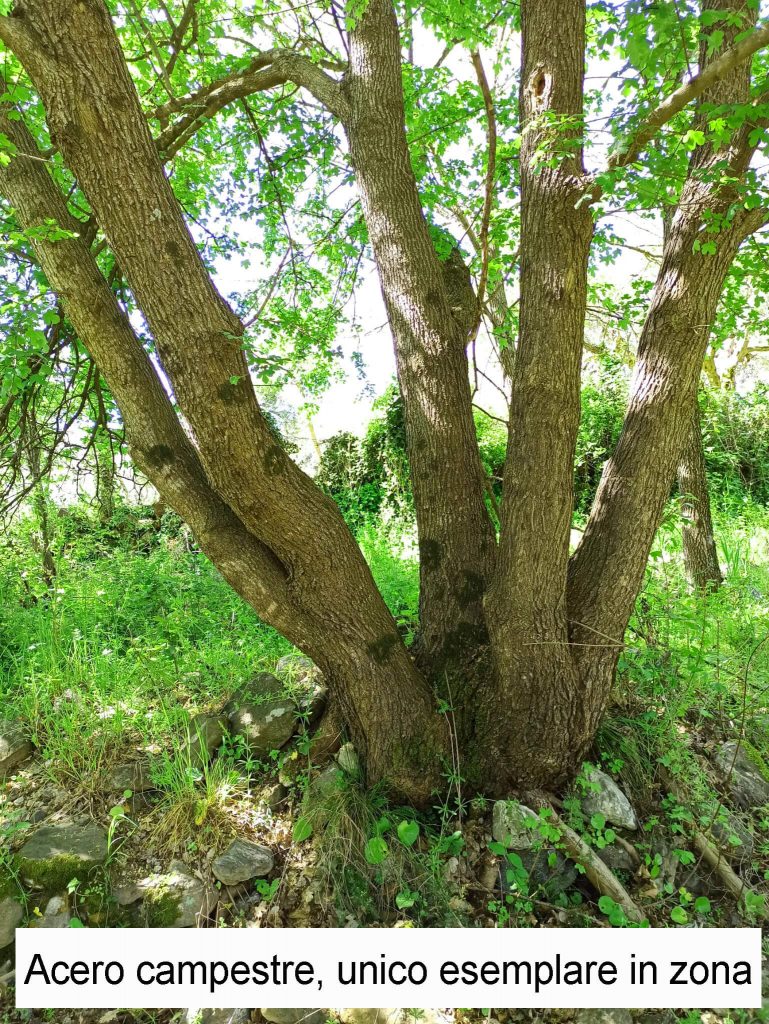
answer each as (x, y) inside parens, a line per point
(275, 796)
(745, 778)
(242, 861)
(55, 854)
(204, 738)
(11, 914)
(393, 1016)
(56, 914)
(176, 899)
(609, 800)
(14, 746)
(347, 759)
(266, 726)
(134, 776)
(297, 668)
(604, 1017)
(617, 858)
(509, 825)
(261, 686)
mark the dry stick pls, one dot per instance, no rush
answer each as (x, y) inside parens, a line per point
(604, 880)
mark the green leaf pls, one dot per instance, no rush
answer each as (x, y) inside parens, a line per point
(302, 830)
(376, 850)
(598, 821)
(408, 832)
(606, 904)
(702, 905)
(679, 915)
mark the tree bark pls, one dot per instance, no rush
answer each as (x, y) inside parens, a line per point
(607, 568)
(537, 679)
(271, 532)
(700, 552)
(540, 647)
(456, 536)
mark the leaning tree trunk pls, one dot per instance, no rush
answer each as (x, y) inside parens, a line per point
(269, 529)
(456, 536)
(700, 552)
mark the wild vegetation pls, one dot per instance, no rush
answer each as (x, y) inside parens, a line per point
(499, 657)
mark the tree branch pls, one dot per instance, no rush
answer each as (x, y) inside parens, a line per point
(266, 71)
(629, 151)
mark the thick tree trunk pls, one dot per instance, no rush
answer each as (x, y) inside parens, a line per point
(700, 552)
(270, 531)
(607, 568)
(456, 536)
(538, 681)
(533, 696)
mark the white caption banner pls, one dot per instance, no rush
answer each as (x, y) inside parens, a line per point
(339, 967)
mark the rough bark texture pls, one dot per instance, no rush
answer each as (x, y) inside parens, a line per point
(700, 552)
(329, 604)
(540, 644)
(456, 537)
(608, 566)
(538, 682)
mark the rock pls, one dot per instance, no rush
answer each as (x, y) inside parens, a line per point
(176, 899)
(56, 915)
(55, 854)
(733, 837)
(126, 894)
(261, 686)
(217, 1017)
(14, 746)
(745, 776)
(699, 882)
(324, 783)
(297, 668)
(509, 825)
(392, 1016)
(242, 861)
(277, 1016)
(604, 1016)
(11, 913)
(134, 776)
(266, 726)
(608, 800)
(617, 858)
(312, 704)
(347, 759)
(204, 738)
(550, 878)
(275, 795)
(325, 741)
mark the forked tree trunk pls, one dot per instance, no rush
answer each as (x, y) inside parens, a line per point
(530, 699)
(699, 544)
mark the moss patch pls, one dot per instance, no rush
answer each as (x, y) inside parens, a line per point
(53, 874)
(161, 907)
(756, 759)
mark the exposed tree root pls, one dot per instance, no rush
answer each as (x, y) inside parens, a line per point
(604, 880)
(710, 854)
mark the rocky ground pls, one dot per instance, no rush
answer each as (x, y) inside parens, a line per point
(108, 854)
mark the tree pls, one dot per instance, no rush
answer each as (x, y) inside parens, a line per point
(517, 638)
